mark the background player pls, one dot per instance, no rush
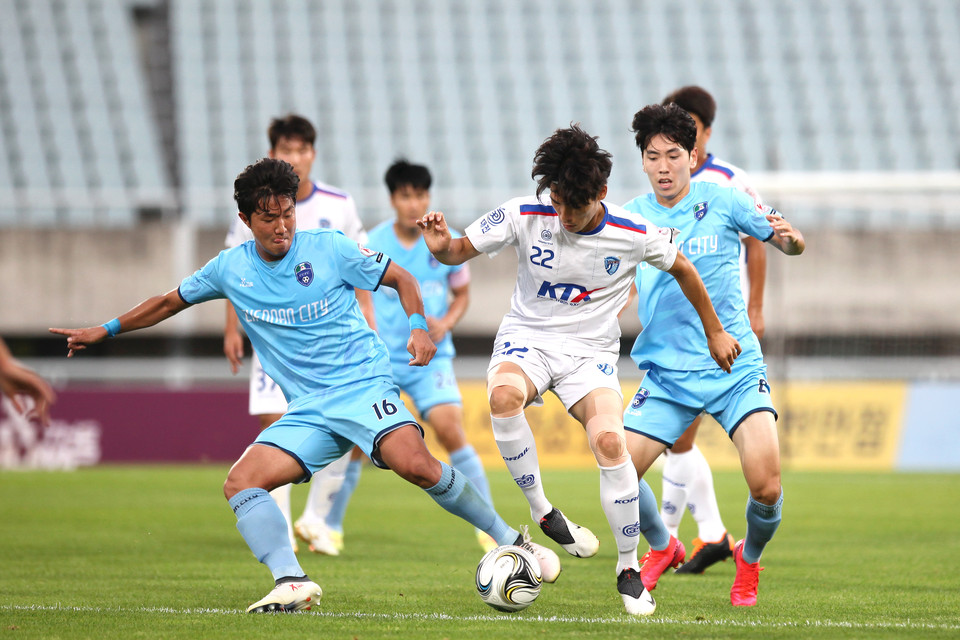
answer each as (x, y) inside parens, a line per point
(577, 257)
(682, 379)
(17, 381)
(319, 206)
(446, 294)
(303, 319)
(687, 479)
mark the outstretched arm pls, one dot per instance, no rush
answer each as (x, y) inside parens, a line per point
(724, 348)
(445, 248)
(419, 345)
(17, 380)
(146, 314)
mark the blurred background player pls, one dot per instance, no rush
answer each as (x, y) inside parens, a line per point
(303, 318)
(577, 258)
(682, 379)
(319, 206)
(687, 479)
(18, 382)
(446, 294)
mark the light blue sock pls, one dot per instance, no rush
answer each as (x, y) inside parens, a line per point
(458, 496)
(468, 462)
(651, 524)
(762, 523)
(263, 527)
(338, 509)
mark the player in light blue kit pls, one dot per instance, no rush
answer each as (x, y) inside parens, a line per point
(446, 294)
(294, 295)
(682, 379)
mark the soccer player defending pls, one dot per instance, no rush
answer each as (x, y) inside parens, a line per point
(682, 379)
(446, 294)
(294, 294)
(319, 206)
(687, 479)
(577, 256)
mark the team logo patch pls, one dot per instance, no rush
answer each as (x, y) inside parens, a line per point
(605, 368)
(611, 264)
(632, 530)
(640, 397)
(546, 235)
(304, 273)
(496, 216)
(699, 210)
(525, 481)
(669, 508)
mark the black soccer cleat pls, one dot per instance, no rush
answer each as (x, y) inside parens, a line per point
(576, 540)
(706, 554)
(636, 599)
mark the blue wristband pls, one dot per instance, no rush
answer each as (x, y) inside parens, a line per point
(417, 321)
(112, 327)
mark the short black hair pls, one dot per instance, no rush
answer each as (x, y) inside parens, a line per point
(402, 173)
(291, 126)
(695, 100)
(671, 120)
(571, 164)
(262, 182)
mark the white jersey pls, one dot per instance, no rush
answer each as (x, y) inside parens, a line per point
(728, 175)
(570, 286)
(326, 208)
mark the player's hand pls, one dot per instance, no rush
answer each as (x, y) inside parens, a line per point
(421, 348)
(78, 339)
(724, 349)
(435, 231)
(17, 381)
(233, 349)
(790, 240)
(438, 329)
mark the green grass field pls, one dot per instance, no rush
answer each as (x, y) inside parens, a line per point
(152, 552)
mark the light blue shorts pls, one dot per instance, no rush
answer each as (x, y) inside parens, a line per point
(668, 401)
(428, 386)
(318, 429)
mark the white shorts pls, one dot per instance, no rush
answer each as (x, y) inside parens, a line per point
(569, 377)
(265, 394)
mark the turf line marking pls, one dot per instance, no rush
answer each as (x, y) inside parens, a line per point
(758, 624)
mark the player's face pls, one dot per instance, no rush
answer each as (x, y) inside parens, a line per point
(273, 228)
(580, 219)
(411, 204)
(668, 166)
(298, 153)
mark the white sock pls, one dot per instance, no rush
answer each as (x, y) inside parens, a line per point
(679, 470)
(281, 495)
(519, 451)
(619, 490)
(702, 500)
(323, 488)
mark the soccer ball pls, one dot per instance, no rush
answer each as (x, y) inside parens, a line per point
(508, 578)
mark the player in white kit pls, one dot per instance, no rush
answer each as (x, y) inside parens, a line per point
(577, 258)
(687, 479)
(319, 206)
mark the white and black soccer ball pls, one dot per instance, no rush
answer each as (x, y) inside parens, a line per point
(508, 578)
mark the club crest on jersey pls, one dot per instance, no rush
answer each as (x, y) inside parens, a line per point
(699, 210)
(640, 397)
(304, 273)
(546, 235)
(611, 264)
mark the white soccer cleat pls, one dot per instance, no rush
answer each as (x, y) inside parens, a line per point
(297, 594)
(549, 561)
(576, 540)
(318, 536)
(636, 599)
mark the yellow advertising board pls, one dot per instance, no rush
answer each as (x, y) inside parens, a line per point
(822, 425)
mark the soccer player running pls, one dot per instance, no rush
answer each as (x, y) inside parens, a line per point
(682, 379)
(687, 479)
(446, 294)
(319, 206)
(577, 256)
(294, 293)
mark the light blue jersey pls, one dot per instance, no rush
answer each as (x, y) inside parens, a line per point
(301, 312)
(709, 220)
(393, 324)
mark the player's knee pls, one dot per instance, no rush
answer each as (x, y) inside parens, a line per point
(507, 393)
(420, 468)
(768, 492)
(609, 448)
